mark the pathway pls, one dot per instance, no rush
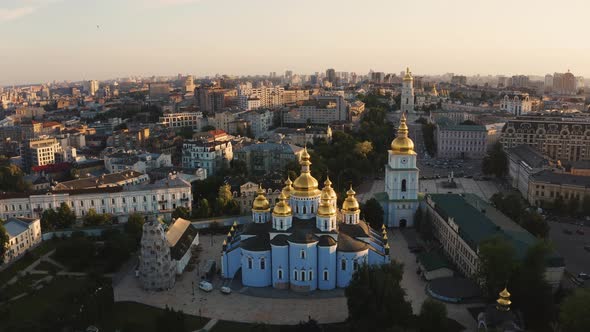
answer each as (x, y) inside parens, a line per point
(210, 324)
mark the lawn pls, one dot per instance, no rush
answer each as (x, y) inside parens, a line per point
(228, 326)
(23, 285)
(47, 266)
(25, 261)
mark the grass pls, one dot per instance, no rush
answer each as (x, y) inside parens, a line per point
(228, 326)
(47, 266)
(23, 285)
(25, 261)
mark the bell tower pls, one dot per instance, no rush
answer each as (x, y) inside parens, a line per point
(407, 98)
(401, 179)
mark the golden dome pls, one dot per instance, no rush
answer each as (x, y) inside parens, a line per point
(326, 209)
(305, 185)
(328, 187)
(350, 203)
(408, 76)
(402, 144)
(504, 300)
(288, 189)
(260, 202)
(282, 208)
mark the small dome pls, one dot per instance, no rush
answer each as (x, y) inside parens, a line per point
(402, 144)
(260, 202)
(282, 208)
(350, 203)
(305, 185)
(288, 188)
(326, 209)
(328, 187)
(408, 76)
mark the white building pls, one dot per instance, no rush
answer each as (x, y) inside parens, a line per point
(268, 96)
(179, 120)
(41, 151)
(321, 110)
(23, 234)
(93, 87)
(211, 155)
(516, 103)
(260, 121)
(158, 199)
(523, 161)
(141, 163)
(407, 98)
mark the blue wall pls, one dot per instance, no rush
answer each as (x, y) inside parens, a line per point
(280, 260)
(327, 261)
(256, 276)
(307, 264)
(344, 276)
(232, 261)
(376, 258)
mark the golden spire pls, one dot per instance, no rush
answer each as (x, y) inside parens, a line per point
(260, 202)
(350, 203)
(288, 189)
(503, 302)
(434, 91)
(282, 209)
(305, 185)
(326, 209)
(402, 144)
(328, 187)
(408, 76)
(235, 223)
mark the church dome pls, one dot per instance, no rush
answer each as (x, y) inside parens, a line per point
(408, 76)
(305, 185)
(350, 203)
(282, 208)
(402, 144)
(260, 202)
(326, 209)
(288, 188)
(329, 189)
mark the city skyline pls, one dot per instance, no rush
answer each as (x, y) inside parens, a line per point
(47, 40)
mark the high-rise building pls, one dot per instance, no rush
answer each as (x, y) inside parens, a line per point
(407, 98)
(564, 83)
(159, 90)
(40, 152)
(520, 81)
(548, 84)
(331, 75)
(93, 87)
(189, 84)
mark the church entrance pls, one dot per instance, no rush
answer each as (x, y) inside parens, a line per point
(403, 223)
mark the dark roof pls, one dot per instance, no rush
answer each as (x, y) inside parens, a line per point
(581, 164)
(256, 243)
(349, 244)
(257, 228)
(303, 235)
(529, 155)
(562, 178)
(183, 244)
(279, 240)
(433, 261)
(357, 230)
(326, 241)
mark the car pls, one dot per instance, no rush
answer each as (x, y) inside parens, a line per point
(205, 286)
(584, 276)
(580, 232)
(225, 290)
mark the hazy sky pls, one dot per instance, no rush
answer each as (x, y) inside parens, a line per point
(45, 40)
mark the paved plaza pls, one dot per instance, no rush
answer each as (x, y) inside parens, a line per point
(247, 305)
(571, 246)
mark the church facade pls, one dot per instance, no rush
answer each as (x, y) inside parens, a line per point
(400, 200)
(305, 243)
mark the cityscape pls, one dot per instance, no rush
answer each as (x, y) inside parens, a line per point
(234, 183)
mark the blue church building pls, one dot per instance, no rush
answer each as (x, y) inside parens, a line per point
(304, 243)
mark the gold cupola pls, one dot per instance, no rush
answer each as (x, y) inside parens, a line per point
(260, 202)
(434, 91)
(305, 185)
(282, 209)
(288, 188)
(326, 209)
(402, 144)
(329, 189)
(408, 76)
(350, 203)
(503, 302)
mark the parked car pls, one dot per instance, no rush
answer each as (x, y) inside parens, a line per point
(205, 286)
(580, 232)
(225, 290)
(584, 276)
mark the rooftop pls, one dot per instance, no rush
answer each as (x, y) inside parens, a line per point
(529, 155)
(548, 176)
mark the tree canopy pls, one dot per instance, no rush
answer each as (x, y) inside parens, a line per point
(496, 161)
(433, 316)
(3, 241)
(496, 263)
(372, 212)
(575, 311)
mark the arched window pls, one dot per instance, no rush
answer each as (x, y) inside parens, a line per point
(310, 275)
(304, 209)
(259, 218)
(343, 265)
(325, 224)
(262, 263)
(250, 262)
(302, 254)
(326, 275)
(302, 275)
(280, 274)
(404, 185)
(355, 265)
(295, 275)
(281, 224)
(312, 208)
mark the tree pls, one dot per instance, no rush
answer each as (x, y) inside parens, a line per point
(559, 205)
(496, 262)
(428, 136)
(496, 161)
(373, 213)
(12, 179)
(170, 320)
(207, 128)
(134, 226)
(469, 123)
(185, 132)
(95, 219)
(375, 298)
(433, 316)
(49, 220)
(203, 210)
(586, 205)
(76, 253)
(65, 216)
(535, 224)
(573, 206)
(530, 291)
(3, 241)
(363, 148)
(575, 311)
(181, 212)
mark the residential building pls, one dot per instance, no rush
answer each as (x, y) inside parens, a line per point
(215, 99)
(462, 222)
(263, 158)
(260, 121)
(321, 110)
(23, 234)
(564, 138)
(159, 91)
(93, 87)
(516, 103)
(545, 186)
(119, 179)
(138, 162)
(185, 119)
(41, 151)
(564, 83)
(302, 136)
(211, 153)
(523, 161)
(460, 141)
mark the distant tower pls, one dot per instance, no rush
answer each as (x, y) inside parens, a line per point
(407, 99)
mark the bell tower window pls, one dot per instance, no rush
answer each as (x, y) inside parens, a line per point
(404, 185)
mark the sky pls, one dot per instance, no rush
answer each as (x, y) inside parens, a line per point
(46, 40)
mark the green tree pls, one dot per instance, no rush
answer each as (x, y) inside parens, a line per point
(76, 253)
(363, 148)
(428, 136)
(496, 262)
(535, 224)
(433, 316)
(181, 212)
(375, 299)
(530, 291)
(49, 220)
(203, 210)
(207, 128)
(65, 215)
(12, 179)
(586, 205)
(185, 132)
(134, 226)
(496, 161)
(3, 241)
(372, 212)
(171, 320)
(575, 311)
(92, 218)
(559, 205)
(573, 206)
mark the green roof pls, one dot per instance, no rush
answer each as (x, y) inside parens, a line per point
(434, 260)
(447, 124)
